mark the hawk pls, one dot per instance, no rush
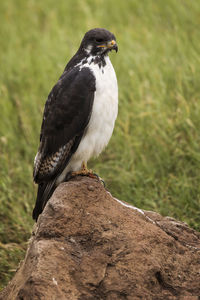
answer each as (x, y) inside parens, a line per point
(79, 115)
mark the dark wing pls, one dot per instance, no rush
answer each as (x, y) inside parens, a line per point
(66, 115)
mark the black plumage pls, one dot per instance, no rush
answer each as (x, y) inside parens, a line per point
(66, 115)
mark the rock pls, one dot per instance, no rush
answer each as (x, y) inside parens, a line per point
(88, 245)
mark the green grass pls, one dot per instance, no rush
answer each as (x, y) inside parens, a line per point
(153, 159)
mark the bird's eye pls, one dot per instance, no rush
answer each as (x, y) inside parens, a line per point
(99, 40)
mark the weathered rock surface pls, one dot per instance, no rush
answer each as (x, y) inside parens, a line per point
(88, 245)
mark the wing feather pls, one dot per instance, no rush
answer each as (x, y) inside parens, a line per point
(66, 116)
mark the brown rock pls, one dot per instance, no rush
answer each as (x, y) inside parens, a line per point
(88, 245)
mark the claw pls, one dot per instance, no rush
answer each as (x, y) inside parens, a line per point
(86, 172)
(99, 178)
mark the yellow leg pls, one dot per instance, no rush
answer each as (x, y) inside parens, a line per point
(84, 167)
(84, 171)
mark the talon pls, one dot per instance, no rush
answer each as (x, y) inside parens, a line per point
(99, 178)
(93, 175)
(86, 172)
(83, 172)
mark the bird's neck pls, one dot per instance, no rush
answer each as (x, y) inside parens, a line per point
(83, 57)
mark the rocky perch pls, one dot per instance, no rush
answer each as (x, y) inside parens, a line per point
(88, 245)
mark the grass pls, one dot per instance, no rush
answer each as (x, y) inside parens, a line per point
(153, 159)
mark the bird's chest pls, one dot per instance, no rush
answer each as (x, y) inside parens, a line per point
(103, 115)
(105, 106)
(106, 95)
(106, 86)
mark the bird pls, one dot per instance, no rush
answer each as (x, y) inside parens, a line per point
(79, 116)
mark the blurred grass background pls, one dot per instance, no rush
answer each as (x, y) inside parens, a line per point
(153, 159)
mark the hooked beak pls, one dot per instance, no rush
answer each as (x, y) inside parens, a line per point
(111, 45)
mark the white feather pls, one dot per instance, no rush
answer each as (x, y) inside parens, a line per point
(104, 114)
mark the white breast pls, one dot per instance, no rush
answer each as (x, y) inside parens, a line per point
(104, 113)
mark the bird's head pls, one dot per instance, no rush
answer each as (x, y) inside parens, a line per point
(99, 41)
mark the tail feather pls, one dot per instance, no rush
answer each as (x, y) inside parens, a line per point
(45, 191)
